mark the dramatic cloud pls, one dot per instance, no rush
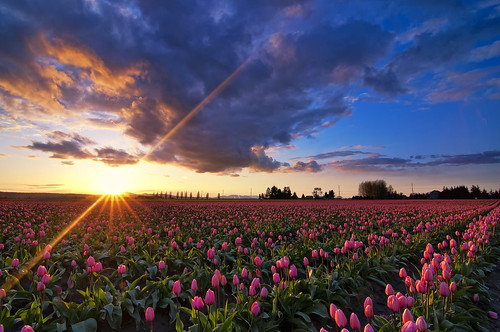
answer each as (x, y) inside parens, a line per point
(74, 146)
(139, 67)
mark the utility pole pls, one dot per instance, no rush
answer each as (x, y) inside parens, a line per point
(412, 189)
(339, 189)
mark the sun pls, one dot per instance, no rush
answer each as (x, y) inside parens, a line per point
(112, 182)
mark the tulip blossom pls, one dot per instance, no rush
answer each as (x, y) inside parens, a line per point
(340, 318)
(369, 311)
(389, 290)
(27, 328)
(161, 265)
(444, 290)
(492, 315)
(2, 293)
(392, 303)
(177, 287)
(409, 327)
(407, 317)
(368, 301)
(41, 271)
(46, 279)
(40, 286)
(194, 285)
(210, 297)
(122, 269)
(333, 308)
(236, 281)
(150, 314)
(258, 261)
(475, 298)
(255, 308)
(98, 267)
(15, 263)
(421, 324)
(368, 328)
(90, 261)
(263, 292)
(354, 321)
(276, 278)
(197, 303)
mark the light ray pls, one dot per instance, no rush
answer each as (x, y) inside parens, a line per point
(33, 261)
(198, 107)
(130, 210)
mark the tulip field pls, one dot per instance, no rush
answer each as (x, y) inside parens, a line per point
(121, 264)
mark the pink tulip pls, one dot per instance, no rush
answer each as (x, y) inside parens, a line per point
(421, 324)
(476, 298)
(293, 272)
(244, 273)
(392, 303)
(194, 285)
(340, 318)
(211, 253)
(98, 267)
(368, 328)
(276, 278)
(314, 253)
(333, 308)
(368, 301)
(369, 311)
(177, 287)
(492, 315)
(255, 308)
(122, 269)
(73, 263)
(41, 271)
(236, 281)
(389, 290)
(258, 261)
(210, 297)
(27, 328)
(90, 261)
(150, 314)
(306, 261)
(407, 317)
(402, 273)
(3, 294)
(197, 303)
(444, 290)
(40, 287)
(14, 264)
(263, 292)
(409, 327)
(215, 281)
(411, 301)
(161, 265)
(46, 279)
(46, 255)
(421, 286)
(453, 287)
(354, 321)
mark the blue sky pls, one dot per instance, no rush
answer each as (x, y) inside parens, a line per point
(303, 94)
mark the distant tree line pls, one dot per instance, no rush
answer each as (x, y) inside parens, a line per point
(276, 193)
(459, 192)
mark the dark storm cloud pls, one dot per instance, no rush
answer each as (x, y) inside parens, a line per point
(142, 66)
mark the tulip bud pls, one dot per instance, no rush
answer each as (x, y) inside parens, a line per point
(122, 269)
(476, 298)
(41, 271)
(46, 279)
(402, 273)
(407, 317)
(177, 287)
(255, 308)
(40, 287)
(369, 311)
(3, 294)
(368, 328)
(354, 321)
(409, 327)
(389, 290)
(194, 285)
(333, 308)
(444, 290)
(27, 328)
(492, 315)
(276, 278)
(90, 261)
(263, 292)
(368, 301)
(340, 318)
(392, 303)
(421, 324)
(161, 265)
(15, 263)
(150, 314)
(210, 297)
(197, 303)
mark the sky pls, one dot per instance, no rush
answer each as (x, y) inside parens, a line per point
(232, 97)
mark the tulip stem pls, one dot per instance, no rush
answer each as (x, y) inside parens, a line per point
(251, 322)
